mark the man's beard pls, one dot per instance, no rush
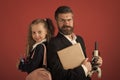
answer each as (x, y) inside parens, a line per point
(66, 30)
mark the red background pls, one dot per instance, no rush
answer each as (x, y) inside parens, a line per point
(94, 20)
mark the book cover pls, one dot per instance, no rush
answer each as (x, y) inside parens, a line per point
(71, 56)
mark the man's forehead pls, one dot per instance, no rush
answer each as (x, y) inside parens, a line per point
(65, 15)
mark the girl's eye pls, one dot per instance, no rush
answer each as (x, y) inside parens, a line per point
(33, 32)
(39, 32)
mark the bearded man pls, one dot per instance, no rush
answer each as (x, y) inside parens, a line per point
(65, 38)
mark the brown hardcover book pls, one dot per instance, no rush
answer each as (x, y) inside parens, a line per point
(71, 56)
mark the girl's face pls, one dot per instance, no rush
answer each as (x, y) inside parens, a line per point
(39, 32)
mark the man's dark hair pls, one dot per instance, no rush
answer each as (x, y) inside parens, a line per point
(62, 9)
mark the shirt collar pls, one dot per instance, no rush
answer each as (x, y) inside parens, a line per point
(73, 37)
(73, 40)
(44, 40)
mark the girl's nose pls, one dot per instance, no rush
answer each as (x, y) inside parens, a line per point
(36, 35)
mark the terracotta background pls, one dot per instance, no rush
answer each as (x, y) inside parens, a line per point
(94, 20)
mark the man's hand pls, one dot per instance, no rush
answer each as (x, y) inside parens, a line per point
(87, 64)
(100, 61)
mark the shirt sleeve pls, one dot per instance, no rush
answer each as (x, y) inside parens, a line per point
(85, 70)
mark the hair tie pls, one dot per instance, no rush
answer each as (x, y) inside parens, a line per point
(45, 19)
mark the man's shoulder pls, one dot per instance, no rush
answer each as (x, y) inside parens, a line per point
(55, 39)
(79, 37)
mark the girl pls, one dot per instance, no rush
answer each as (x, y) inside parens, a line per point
(40, 32)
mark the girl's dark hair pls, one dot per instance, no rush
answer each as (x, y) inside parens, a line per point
(62, 9)
(51, 28)
(50, 32)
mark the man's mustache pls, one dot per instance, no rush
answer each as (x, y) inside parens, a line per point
(66, 26)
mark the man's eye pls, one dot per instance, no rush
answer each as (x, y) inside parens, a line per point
(61, 20)
(69, 19)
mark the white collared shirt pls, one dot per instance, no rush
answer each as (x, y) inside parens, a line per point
(73, 40)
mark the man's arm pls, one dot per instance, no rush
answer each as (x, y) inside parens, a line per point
(57, 70)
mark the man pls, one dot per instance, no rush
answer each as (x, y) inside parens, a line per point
(66, 37)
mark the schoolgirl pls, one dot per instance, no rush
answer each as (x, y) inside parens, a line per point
(40, 32)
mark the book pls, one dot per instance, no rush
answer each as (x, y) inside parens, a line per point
(71, 56)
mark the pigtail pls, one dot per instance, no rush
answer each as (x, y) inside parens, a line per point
(50, 26)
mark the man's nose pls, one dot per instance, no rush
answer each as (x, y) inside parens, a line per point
(66, 22)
